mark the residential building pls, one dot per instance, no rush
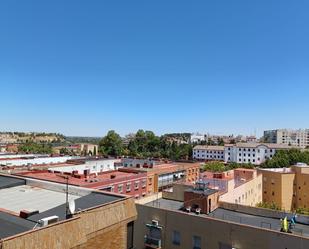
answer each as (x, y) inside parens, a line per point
(208, 152)
(254, 153)
(198, 138)
(162, 176)
(166, 224)
(299, 138)
(116, 181)
(239, 186)
(288, 188)
(33, 214)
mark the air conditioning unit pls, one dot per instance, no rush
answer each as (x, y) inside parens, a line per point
(48, 221)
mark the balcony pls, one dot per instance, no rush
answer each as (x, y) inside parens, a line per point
(152, 243)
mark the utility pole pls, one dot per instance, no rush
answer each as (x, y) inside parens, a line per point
(67, 198)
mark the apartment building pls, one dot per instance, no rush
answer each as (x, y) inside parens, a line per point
(299, 138)
(239, 186)
(33, 214)
(208, 152)
(197, 138)
(288, 188)
(162, 176)
(254, 153)
(116, 181)
(165, 224)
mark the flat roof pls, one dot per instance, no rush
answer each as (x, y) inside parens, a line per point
(93, 179)
(28, 197)
(47, 198)
(207, 191)
(165, 204)
(232, 216)
(256, 221)
(8, 181)
(11, 225)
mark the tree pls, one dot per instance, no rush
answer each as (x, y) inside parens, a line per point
(111, 144)
(286, 158)
(214, 166)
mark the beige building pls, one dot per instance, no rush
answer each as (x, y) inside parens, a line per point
(287, 187)
(298, 138)
(244, 189)
(161, 225)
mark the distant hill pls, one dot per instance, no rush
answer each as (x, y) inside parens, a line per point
(36, 137)
(76, 140)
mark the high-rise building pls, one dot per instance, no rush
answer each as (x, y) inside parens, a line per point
(298, 138)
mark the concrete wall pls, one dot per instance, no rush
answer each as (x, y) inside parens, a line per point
(211, 231)
(303, 219)
(248, 193)
(97, 228)
(176, 192)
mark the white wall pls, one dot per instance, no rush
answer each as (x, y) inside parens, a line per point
(94, 166)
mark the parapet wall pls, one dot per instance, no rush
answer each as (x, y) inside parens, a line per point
(264, 212)
(82, 231)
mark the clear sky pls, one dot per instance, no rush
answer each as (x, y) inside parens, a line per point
(84, 67)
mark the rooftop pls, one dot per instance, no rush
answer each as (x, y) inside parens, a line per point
(232, 216)
(91, 180)
(49, 199)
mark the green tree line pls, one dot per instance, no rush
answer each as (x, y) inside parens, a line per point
(144, 144)
(286, 158)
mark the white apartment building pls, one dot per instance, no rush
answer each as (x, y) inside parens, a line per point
(299, 138)
(254, 153)
(197, 138)
(207, 152)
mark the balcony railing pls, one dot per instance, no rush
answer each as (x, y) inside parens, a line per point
(152, 242)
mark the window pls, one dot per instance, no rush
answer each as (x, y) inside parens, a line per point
(176, 238)
(144, 183)
(128, 186)
(197, 243)
(273, 193)
(120, 188)
(136, 184)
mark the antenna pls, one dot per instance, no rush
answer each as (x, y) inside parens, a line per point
(72, 207)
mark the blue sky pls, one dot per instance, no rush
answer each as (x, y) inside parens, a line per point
(84, 67)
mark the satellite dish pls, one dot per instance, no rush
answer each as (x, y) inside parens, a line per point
(72, 207)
